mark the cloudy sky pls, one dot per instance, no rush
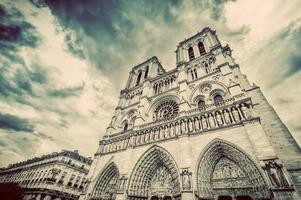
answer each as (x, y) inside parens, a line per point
(63, 63)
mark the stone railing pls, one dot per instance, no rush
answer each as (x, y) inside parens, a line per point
(197, 121)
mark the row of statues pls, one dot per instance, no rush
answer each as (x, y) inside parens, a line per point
(203, 122)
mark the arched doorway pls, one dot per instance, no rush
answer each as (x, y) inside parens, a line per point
(225, 171)
(243, 198)
(224, 198)
(155, 177)
(107, 183)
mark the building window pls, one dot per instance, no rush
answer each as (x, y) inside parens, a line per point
(195, 74)
(218, 100)
(191, 53)
(126, 125)
(201, 104)
(138, 78)
(168, 109)
(201, 48)
(146, 73)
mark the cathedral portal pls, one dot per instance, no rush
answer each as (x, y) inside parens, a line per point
(225, 171)
(155, 177)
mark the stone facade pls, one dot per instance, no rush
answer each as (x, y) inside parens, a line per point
(59, 176)
(198, 131)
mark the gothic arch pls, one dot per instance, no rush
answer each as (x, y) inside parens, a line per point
(247, 178)
(209, 85)
(106, 183)
(197, 98)
(143, 178)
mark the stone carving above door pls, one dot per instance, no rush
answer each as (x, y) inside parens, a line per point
(228, 175)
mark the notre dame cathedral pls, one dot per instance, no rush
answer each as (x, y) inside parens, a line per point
(198, 131)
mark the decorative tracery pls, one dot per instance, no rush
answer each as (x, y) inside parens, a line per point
(168, 109)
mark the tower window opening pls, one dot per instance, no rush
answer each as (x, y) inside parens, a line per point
(146, 73)
(218, 100)
(191, 53)
(201, 48)
(138, 78)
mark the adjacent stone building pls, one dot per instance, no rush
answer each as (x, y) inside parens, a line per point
(59, 176)
(198, 131)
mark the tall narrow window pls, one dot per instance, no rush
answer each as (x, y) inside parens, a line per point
(195, 74)
(125, 127)
(146, 73)
(201, 48)
(218, 100)
(191, 53)
(138, 78)
(192, 75)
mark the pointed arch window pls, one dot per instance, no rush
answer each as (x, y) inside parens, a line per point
(218, 100)
(190, 53)
(138, 78)
(201, 48)
(146, 73)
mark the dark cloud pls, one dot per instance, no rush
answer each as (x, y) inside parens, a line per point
(74, 46)
(15, 123)
(38, 74)
(104, 27)
(66, 92)
(15, 32)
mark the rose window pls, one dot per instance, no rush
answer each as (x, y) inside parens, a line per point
(166, 110)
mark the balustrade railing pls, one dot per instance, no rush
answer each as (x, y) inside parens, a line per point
(230, 112)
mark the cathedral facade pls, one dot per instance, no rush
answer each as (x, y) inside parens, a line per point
(198, 131)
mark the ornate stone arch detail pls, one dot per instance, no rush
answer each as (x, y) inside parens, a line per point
(247, 180)
(158, 100)
(155, 161)
(107, 183)
(172, 104)
(197, 98)
(216, 92)
(205, 88)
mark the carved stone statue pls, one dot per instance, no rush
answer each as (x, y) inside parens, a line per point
(219, 119)
(245, 111)
(227, 117)
(183, 127)
(276, 175)
(235, 114)
(122, 184)
(186, 180)
(197, 124)
(204, 122)
(211, 121)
